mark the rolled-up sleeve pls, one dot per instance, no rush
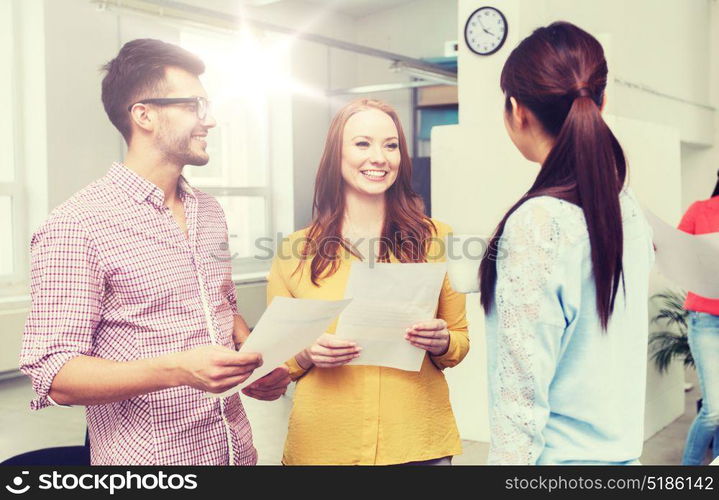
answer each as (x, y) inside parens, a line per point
(232, 299)
(66, 288)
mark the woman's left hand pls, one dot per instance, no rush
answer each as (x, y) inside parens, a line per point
(432, 336)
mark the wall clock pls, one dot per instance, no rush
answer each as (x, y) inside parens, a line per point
(485, 31)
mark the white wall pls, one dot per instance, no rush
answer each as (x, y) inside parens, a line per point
(662, 44)
(700, 164)
(669, 46)
(81, 142)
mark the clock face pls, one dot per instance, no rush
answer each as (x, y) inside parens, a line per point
(485, 31)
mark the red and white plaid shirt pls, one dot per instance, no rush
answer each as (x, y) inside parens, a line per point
(114, 277)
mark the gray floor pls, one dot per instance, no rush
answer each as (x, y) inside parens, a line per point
(22, 430)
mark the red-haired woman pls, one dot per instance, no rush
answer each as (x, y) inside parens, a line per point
(566, 303)
(364, 206)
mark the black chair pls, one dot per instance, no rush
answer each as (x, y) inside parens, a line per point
(60, 455)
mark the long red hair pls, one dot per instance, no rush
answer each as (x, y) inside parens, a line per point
(406, 230)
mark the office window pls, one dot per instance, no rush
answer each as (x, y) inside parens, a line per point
(6, 243)
(239, 171)
(12, 242)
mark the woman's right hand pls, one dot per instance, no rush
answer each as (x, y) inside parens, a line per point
(329, 352)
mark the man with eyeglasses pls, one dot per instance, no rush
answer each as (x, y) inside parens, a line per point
(134, 312)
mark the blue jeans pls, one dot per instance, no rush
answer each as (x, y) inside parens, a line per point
(704, 343)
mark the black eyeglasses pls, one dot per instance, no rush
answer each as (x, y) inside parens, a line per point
(202, 105)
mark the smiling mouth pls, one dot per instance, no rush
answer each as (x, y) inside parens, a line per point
(374, 175)
(202, 139)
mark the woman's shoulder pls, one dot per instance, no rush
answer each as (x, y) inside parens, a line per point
(297, 235)
(440, 229)
(546, 209)
(547, 219)
(289, 248)
(703, 205)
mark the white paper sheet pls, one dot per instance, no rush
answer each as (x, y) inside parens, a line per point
(690, 261)
(386, 300)
(287, 327)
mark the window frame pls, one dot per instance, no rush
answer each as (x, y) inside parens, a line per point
(243, 265)
(16, 282)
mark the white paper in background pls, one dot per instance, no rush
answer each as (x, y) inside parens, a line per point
(386, 300)
(690, 261)
(287, 327)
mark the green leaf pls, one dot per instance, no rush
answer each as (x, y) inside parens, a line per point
(672, 343)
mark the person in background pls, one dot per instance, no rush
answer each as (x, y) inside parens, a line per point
(134, 312)
(564, 283)
(702, 217)
(363, 206)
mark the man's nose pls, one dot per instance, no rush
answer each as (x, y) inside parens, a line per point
(209, 121)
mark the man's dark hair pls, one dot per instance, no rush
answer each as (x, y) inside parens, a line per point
(138, 72)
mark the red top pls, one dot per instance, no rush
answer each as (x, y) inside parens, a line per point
(701, 218)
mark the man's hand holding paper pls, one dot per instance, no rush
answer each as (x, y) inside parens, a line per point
(214, 368)
(287, 327)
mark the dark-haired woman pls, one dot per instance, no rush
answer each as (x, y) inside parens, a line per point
(566, 303)
(352, 415)
(702, 218)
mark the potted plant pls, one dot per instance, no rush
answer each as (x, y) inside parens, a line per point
(672, 342)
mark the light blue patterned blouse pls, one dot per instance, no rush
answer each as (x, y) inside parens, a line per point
(561, 390)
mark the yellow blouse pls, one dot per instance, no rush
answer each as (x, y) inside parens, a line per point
(364, 415)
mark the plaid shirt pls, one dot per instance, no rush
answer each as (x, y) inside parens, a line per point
(114, 277)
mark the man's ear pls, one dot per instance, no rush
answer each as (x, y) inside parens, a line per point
(142, 117)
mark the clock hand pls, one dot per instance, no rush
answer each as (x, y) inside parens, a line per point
(484, 29)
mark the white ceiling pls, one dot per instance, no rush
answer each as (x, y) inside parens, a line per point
(353, 8)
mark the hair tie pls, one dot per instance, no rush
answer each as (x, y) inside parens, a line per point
(583, 92)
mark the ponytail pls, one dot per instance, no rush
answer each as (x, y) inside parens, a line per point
(587, 143)
(586, 165)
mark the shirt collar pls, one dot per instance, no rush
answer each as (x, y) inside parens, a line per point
(140, 189)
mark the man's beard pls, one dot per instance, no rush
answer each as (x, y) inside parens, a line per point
(179, 150)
